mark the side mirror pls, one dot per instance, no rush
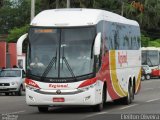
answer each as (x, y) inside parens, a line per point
(20, 43)
(97, 44)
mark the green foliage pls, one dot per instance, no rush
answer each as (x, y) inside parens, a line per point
(144, 41)
(15, 33)
(149, 19)
(148, 42)
(110, 5)
(14, 14)
(155, 43)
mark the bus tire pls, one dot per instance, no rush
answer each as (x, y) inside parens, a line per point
(128, 99)
(43, 109)
(99, 107)
(134, 89)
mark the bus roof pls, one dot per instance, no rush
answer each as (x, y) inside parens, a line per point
(77, 17)
(150, 48)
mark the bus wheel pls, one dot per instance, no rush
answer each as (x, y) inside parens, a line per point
(99, 107)
(128, 99)
(43, 109)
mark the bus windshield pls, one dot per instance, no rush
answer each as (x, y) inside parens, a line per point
(150, 57)
(60, 53)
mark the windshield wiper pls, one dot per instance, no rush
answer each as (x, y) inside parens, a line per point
(150, 61)
(68, 66)
(50, 65)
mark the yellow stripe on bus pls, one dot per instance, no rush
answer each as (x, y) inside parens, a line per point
(114, 79)
(138, 81)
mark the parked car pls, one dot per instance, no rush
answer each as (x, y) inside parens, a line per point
(12, 81)
(146, 72)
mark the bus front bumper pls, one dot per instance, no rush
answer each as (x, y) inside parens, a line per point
(91, 96)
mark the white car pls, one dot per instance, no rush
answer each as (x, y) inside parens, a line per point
(147, 72)
(12, 81)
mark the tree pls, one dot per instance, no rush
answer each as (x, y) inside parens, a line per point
(155, 43)
(110, 5)
(149, 18)
(51, 4)
(14, 15)
(1, 3)
(15, 33)
(144, 41)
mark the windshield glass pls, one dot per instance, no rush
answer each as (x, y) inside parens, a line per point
(150, 58)
(60, 53)
(10, 73)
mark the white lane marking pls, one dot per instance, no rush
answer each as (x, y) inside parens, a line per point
(100, 113)
(17, 112)
(128, 106)
(153, 100)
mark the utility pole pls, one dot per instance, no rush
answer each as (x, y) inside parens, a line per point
(32, 9)
(57, 3)
(122, 7)
(68, 3)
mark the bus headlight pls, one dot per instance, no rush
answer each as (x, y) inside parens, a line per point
(31, 85)
(87, 84)
(87, 87)
(31, 88)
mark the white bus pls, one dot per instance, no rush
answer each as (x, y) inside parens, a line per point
(151, 57)
(82, 57)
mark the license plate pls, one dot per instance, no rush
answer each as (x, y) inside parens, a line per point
(58, 100)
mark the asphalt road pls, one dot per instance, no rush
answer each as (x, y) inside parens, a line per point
(146, 102)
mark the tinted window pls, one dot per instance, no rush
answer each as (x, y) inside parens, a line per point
(121, 36)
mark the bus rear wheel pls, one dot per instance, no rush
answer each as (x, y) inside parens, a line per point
(128, 99)
(43, 109)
